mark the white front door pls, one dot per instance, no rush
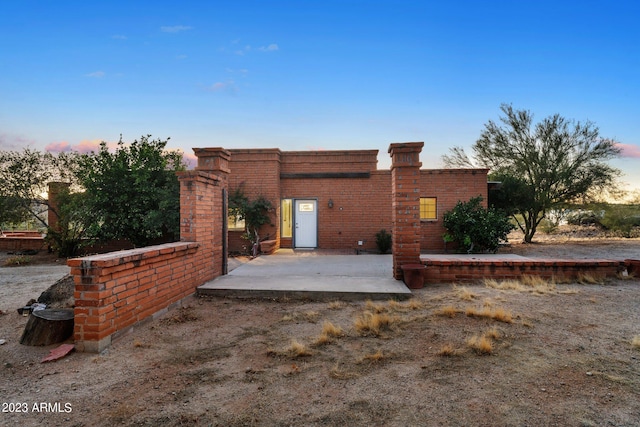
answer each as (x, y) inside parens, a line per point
(306, 220)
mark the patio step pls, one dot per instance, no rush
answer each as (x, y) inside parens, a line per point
(302, 288)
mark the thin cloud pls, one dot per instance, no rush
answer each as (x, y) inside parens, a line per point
(119, 37)
(189, 159)
(14, 142)
(96, 74)
(271, 48)
(629, 150)
(58, 147)
(175, 28)
(242, 71)
(228, 86)
(84, 147)
(246, 49)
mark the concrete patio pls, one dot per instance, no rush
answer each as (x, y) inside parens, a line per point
(309, 275)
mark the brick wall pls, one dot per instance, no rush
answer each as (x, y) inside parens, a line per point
(405, 204)
(329, 161)
(115, 291)
(22, 243)
(361, 207)
(257, 173)
(449, 186)
(456, 270)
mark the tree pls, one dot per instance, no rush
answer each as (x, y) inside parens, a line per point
(133, 193)
(70, 233)
(255, 214)
(542, 166)
(24, 178)
(474, 228)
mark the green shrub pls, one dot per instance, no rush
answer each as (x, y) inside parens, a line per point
(584, 217)
(18, 260)
(474, 228)
(547, 226)
(383, 241)
(622, 219)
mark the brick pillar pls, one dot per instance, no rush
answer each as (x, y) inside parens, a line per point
(55, 188)
(203, 214)
(405, 200)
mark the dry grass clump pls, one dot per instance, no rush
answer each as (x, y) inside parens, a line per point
(635, 342)
(493, 333)
(376, 357)
(448, 311)
(140, 344)
(369, 323)
(414, 304)
(448, 350)
(410, 305)
(294, 350)
(463, 293)
(332, 330)
(499, 314)
(307, 316)
(329, 332)
(337, 305)
(482, 345)
(589, 279)
(374, 307)
(297, 349)
(342, 374)
(532, 284)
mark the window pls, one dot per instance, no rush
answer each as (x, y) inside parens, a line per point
(428, 208)
(286, 214)
(234, 223)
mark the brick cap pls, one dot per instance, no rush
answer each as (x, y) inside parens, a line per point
(211, 152)
(405, 147)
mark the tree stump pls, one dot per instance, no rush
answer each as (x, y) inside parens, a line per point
(48, 326)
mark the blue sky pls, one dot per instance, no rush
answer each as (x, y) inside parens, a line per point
(302, 75)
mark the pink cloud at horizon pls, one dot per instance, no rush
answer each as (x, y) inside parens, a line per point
(629, 150)
(83, 147)
(88, 146)
(190, 160)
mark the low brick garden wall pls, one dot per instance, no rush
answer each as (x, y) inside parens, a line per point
(13, 242)
(117, 290)
(456, 270)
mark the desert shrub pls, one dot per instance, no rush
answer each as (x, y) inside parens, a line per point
(584, 217)
(383, 241)
(548, 226)
(623, 219)
(475, 228)
(18, 260)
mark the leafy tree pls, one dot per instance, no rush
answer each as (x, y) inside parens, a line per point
(255, 214)
(474, 228)
(24, 178)
(541, 166)
(70, 233)
(133, 193)
(11, 209)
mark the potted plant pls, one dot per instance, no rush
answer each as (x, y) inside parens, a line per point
(383, 241)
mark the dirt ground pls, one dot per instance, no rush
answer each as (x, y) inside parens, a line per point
(455, 355)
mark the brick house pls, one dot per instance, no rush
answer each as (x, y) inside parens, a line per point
(339, 199)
